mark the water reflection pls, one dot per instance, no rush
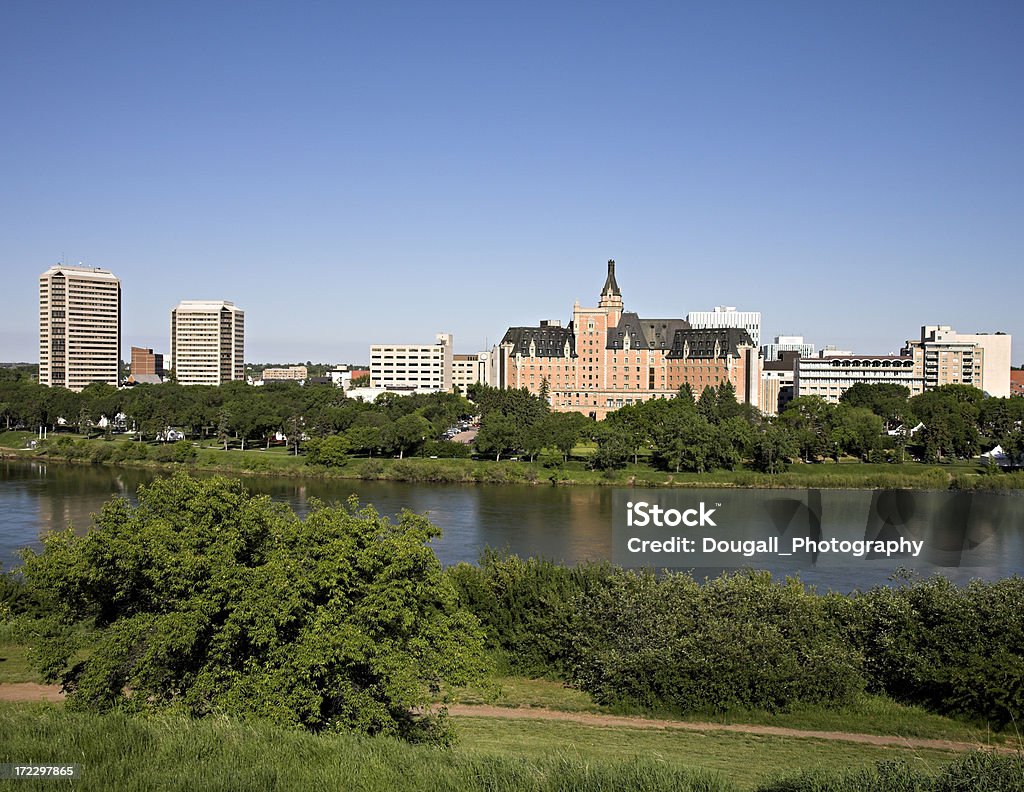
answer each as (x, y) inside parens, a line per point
(566, 524)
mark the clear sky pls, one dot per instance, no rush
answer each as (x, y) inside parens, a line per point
(379, 172)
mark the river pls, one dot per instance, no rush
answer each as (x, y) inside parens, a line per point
(566, 524)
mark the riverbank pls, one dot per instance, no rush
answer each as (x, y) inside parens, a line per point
(549, 471)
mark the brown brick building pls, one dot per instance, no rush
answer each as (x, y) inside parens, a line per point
(608, 357)
(1017, 382)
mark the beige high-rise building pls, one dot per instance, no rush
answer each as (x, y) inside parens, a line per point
(207, 342)
(946, 357)
(79, 327)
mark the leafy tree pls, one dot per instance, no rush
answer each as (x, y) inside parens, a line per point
(205, 599)
(565, 429)
(773, 446)
(808, 418)
(498, 434)
(409, 432)
(886, 400)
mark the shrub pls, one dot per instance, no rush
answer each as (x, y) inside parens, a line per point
(207, 599)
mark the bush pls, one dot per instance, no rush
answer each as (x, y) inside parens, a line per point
(738, 641)
(207, 599)
(957, 651)
(445, 449)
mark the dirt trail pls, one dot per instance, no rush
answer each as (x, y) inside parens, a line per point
(31, 691)
(597, 719)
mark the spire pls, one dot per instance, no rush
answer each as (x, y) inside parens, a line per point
(610, 286)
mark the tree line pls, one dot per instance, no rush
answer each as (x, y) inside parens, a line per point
(872, 422)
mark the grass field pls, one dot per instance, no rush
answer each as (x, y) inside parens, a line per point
(117, 752)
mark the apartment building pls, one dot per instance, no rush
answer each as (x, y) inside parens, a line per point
(726, 316)
(421, 368)
(79, 327)
(207, 342)
(607, 357)
(944, 357)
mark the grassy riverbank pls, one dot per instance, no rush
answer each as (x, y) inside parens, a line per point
(546, 470)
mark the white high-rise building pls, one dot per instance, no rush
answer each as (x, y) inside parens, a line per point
(79, 327)
(727, 316)
(770, 352)
(207, 342)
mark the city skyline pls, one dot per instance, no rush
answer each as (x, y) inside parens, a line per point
(360, 176)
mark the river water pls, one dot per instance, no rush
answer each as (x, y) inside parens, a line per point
(565, 524)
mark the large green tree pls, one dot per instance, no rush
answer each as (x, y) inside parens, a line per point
(205, 599)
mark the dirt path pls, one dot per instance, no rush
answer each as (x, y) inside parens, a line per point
(595, 719)
(31, 691)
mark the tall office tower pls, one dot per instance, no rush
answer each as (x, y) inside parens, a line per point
(79, 327)
(207, 342)
(725, 316)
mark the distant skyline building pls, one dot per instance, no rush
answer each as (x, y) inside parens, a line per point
(287, 373)
(770, 352)
(725, 316)
(146, 361)
(207, 342)
(79, 327)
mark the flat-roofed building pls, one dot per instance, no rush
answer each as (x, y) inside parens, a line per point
(412, 368)
(207, 342)
(146, 361)
(772, 352)
(288, 373)
(470, 369)
(830, 376)
(1017, 382)
(726, 316)
(79, 327)
(946, 357)
(777, 381)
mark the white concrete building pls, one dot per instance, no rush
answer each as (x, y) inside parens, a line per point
(787, 344)
(207, 342)
(830, 376)
(79, 327)
(728, 316)
(419, 368)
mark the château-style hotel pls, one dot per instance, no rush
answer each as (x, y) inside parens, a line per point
(608, 357)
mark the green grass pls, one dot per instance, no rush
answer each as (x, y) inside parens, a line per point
(14, 663)
(117, 752)
(15, 440)
(746, 760)
(870, 715)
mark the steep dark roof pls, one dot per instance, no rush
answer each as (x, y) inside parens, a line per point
(644, 333)
(610, 286)
(547, 341)
(702, 343)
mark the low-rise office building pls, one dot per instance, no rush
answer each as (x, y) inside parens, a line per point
(830, 376)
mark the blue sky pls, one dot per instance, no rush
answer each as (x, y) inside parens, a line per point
(375, 172)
